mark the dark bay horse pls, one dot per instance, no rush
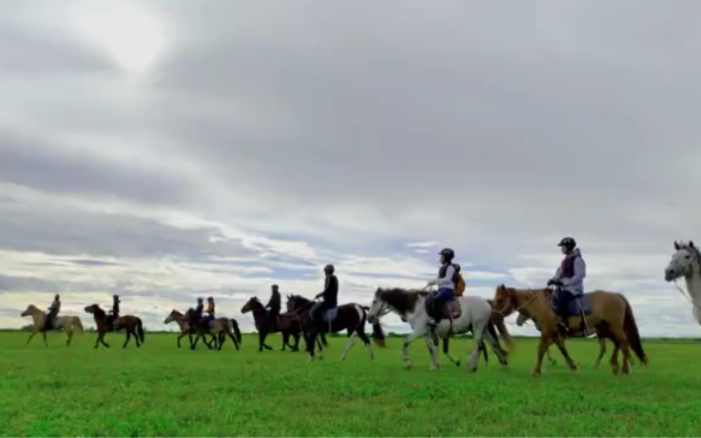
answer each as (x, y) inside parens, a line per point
(607, 313)
(131, 324)
(351, 317)
(287, 323)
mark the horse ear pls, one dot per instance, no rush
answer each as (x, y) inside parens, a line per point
(676, 245)
(691, 244)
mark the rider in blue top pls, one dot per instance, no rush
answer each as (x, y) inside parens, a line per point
(445, 282)
(569, 278)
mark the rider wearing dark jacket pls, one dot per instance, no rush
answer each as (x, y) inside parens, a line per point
(196, 317)
(50, 320)
(115, 311)
(445, 282)
(329, 295)
(569, 279)
(273, 306)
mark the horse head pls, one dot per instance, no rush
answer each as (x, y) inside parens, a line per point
(503, 302)
(94, 309)
(252, 304)
(172, 316)
(296, 302)
(30, 310)
(685, 262)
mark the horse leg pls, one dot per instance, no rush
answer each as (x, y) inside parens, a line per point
(560, 342)
(128, 337)
(193, 345)
(551, 359)
(431, 345)
(43, 335)
(31, 336)
(101, 338)
(349, 344)
(615, 367)
(264, 335)
(311, 338)
(70, 336)
(295, 347)
(542, 349)
(602, 351)
(182, 335)
(136, 338)
(446, 347)
(496, 348)
(366, 341)
(420, 330)
(475, 355)
(625, 349)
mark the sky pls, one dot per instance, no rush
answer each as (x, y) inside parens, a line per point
(166, 150)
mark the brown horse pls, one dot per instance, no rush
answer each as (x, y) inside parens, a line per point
(185, 329)
(219, 328)
(131, 324)
(349, 317)
(69, 323)
(287, 324)
(609, 313)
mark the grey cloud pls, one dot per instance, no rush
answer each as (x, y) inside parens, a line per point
(40, 52)
(39, 164)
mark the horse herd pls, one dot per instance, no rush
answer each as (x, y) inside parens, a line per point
(608, 315)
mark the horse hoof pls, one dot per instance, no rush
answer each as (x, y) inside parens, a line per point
(535, 374)
(457, 364)
(407, 365)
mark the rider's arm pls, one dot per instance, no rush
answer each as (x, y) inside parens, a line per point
(580, 272)
(445, 281)
(558, 274)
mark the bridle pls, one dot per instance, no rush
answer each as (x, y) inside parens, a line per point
(503, 312)
(696, 259)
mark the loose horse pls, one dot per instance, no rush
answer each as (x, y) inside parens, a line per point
(132, 325)
(608, 313)
(467, 314)
(217, 327)
(69, 323)
(349, 317)
(686, 262)
(287, 323)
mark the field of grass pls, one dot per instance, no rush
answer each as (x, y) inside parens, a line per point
(160, 390)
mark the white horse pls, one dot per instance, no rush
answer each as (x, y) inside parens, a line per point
(468, 313)
(686, 262)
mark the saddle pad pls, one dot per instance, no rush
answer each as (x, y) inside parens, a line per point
(576, 305)
(330, 315)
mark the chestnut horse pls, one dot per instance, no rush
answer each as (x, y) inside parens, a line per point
(131, 324)
(608, 313)
(183, 322)
(69, 323)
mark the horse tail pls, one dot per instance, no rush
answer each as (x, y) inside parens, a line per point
(237, 331)
(498, 321)
(140, 329)
(78, 324)
(630, 328)
(378, 335)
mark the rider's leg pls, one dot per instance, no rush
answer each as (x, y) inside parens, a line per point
(439, 301)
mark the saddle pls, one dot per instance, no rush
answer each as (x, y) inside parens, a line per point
(577, 307)
(329, 315)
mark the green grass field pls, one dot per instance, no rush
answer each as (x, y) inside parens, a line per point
(160, 390)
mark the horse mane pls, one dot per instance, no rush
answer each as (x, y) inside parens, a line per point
(689, 246)
(407, 297)
(299, 298)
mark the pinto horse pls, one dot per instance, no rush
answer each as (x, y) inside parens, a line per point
(132, 325)
(605, 313)
(69, 323)
(351, 317)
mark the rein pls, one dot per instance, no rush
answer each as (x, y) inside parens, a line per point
(688, 298)
(519, 308)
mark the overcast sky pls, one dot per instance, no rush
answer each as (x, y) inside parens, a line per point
(172, 149)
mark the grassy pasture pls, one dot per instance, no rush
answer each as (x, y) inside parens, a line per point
(160, 390)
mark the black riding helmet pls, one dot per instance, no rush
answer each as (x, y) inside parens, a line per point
(210, 298)
(568, 242)
(57, 297)
(328, 269)
(275, 287)
(199, 300)
(448, 253)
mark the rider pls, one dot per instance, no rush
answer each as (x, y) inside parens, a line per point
(569, 279)
(329, 294)
(210, 309)
(447, 275)
(55, 307)
(274, 305)
(115, 310)
(196, 316)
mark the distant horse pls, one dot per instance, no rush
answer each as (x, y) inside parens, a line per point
(69, 323)
(287, 323)
(185, 329)
(606, 312)
(349, 317)
(218, 327)
(132, 325)
(467, 314)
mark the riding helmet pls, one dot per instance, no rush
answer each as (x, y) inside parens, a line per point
(568, 242)
(329, 269)
(448, 253)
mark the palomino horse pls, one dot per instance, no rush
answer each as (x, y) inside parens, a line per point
(185, 329)
(686, 262)
(349, 317)
(69, 323)
(132, 325)
(608, 313)
(467, 313)
(217, 327)
(287, 323)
